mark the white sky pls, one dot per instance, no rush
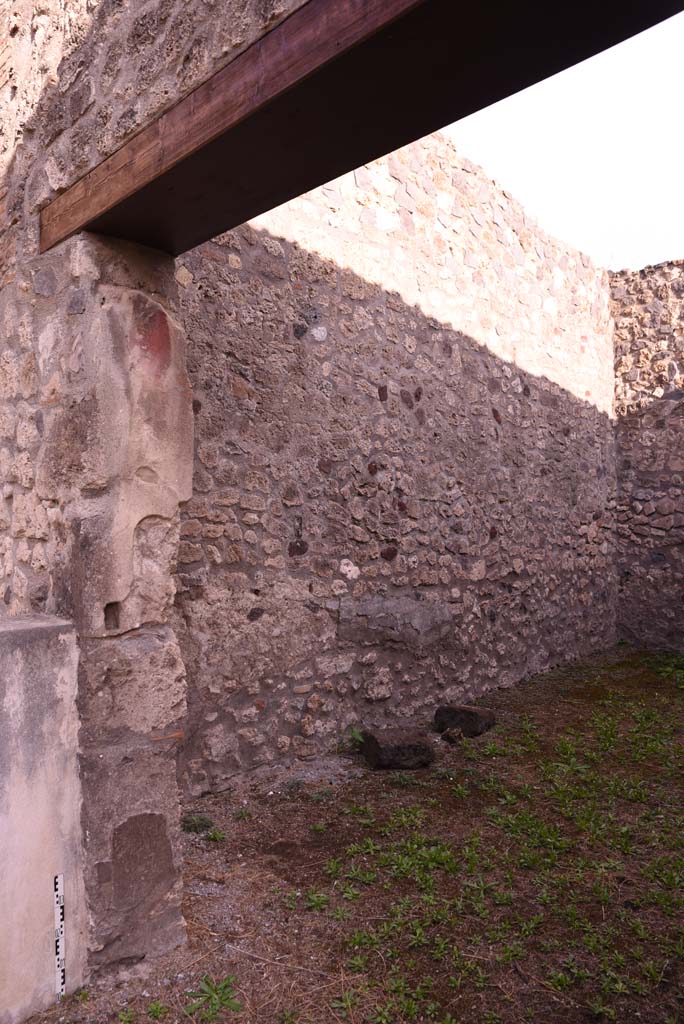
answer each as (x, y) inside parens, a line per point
(596, 153)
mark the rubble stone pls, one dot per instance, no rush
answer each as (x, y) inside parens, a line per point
(397, 748)
(470, 721)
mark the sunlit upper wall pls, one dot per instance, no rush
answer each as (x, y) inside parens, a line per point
(491, 272)
(33, 40)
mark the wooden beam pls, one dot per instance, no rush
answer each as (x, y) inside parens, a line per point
(305, 42)
(338, 83)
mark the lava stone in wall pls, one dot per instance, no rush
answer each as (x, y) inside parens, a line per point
(404, 472)
(648, 307)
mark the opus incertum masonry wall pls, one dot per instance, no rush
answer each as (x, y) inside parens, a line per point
(387, 444)
(96, 435)
(649, 364)
(404, 476)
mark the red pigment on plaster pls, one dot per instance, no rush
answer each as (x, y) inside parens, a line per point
(152, 335)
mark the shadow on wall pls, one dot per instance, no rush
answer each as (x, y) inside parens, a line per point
(651, 523)
(390, 512)
(648, 307)
(385, 514)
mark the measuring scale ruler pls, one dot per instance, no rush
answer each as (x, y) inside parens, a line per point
(60, 957)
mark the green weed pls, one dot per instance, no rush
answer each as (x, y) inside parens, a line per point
(212, 998)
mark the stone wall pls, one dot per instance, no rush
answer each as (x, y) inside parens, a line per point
(648, 307)
(404, 467)
(96, 421)
(96, 456)
(404, 472)
(78, 78)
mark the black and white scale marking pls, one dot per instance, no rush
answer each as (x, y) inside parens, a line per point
(60, 961)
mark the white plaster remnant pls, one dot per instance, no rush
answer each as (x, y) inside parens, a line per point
(348, 569)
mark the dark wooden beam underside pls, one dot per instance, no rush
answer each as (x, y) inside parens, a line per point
(340, 83)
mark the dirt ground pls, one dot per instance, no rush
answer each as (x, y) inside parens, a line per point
(535, 874)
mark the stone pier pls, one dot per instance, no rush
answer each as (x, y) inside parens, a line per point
(40, 813)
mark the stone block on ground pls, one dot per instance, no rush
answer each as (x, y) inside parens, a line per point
(470, 721)
(40, 814)
(397, 748)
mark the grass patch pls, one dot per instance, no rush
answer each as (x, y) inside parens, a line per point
(534, 875)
